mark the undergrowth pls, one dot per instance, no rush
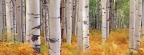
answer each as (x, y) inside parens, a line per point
(117, 44)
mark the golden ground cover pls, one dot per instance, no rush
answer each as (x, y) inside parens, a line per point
(117, 44)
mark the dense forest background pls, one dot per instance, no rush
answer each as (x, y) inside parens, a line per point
(122, 13)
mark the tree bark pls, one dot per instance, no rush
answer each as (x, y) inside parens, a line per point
(104, 29)
(85, 24)
(55, 30)
(79, 22)
(132, 25)
(138, 24)
(19, 17)
(9, 20)
(33, 23)
(69, 21)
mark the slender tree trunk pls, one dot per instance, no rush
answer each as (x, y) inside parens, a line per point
(132, 25)
(14, 29)
(79, 21)
(104, 29)
(143, 19)
(138, 24)
(74, 17)
(23, 21)
(69, 21)
(115, 14)
(85, 24)
(55, 30)
(1, 19)
(63, 17)
(107, 17)
(46, 18)
(9, 20)
(19, 17)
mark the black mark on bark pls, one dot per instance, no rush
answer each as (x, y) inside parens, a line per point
(35, 37)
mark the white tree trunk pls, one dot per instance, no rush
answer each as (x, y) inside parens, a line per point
(63, 14)
(132, 24)
(33, 23)
(55, 30)
(85, 23)
(18, 16)
(69, 21)
(14, 29)
(9, 20)
(79, 31)
(138, 24)
(104, 29)
(76, 18)
(143, 19)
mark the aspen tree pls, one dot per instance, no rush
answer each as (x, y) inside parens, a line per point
(104, 29)
(138, 24)
(143, 19)
(132, 24)
(33, 23)
(23, 21)
(63, 17)
(4, 17)
(69, 21)
(55, 30)
(79, 31)
(19, 17)
(9, 20)
(85, 24)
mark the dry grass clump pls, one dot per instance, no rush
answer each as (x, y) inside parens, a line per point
(11, 48)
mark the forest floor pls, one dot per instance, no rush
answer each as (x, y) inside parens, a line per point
(117, 44)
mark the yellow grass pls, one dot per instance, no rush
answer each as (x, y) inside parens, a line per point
(117, 44)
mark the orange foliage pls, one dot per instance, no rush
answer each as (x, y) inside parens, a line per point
(117, 44)
(12, 48)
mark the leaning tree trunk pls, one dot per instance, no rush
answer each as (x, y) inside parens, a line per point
(55, 30)
(85, 24)
(69, 21)
(33, 23)
(138, 24)
(132, 25)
